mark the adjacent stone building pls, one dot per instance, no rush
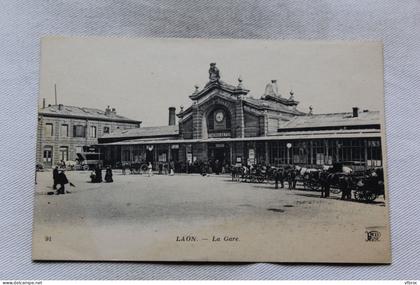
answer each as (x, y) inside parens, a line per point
(225, 124)
(64, 130)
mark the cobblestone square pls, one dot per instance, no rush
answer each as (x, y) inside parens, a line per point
(136, 217)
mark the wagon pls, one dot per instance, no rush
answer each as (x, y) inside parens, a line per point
(370, 187)
(310, 179)
(138, 168)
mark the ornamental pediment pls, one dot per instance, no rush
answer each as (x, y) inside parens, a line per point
(217, 98)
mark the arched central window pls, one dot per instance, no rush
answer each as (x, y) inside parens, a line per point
(218, 120)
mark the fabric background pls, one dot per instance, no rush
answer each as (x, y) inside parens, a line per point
(23, 23)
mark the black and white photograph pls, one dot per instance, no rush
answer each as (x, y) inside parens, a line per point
(207, 150)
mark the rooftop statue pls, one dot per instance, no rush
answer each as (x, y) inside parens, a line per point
(271, 89)
(214, 73)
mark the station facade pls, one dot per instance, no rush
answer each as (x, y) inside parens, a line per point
(224, 125)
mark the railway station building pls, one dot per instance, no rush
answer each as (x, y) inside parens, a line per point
(225, 124)
(63, 131)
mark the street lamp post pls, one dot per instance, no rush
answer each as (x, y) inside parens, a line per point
(289, 146)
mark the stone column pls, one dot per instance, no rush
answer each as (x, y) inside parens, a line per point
(239, 120)
(197, 120)
(267, 155)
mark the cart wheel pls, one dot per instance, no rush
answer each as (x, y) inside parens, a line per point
(359, 195)
(314, 186)
(260, 179)
(370, 196)
(144, 168)
(335, 190)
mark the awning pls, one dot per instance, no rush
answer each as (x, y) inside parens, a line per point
(284, 136)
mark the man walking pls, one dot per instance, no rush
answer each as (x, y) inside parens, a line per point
(62, 181)
(55, 177)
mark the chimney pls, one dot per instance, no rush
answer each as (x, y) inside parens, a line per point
(107, 111)
(43, 103)
(355, 112)
(172, 116)
(60, 107)
(114, 111)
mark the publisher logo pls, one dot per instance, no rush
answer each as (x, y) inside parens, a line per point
(372, 235)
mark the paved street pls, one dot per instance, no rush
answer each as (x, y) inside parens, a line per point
(178, 217)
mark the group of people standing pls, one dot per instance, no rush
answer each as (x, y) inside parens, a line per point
(96, 175)
(60, 178)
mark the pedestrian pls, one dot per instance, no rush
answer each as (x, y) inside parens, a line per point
(172, 168)
(294, 176)
(62, 181)
(55, 177)
(281, 177)
(98, 174)
(277, 178)
(93, 176)
(123, 168)
(108, 175)
(291, 179)
(203, 169)
(217, 167)
(328, 182)
(149, 169)
(323, 177)
(345, 188)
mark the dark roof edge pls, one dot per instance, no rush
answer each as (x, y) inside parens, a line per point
(91, 118)
(293, 112)
(349, 127)
(107, 139)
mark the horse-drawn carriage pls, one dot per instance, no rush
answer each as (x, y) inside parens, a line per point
(310, 178)
(370, 186)
(367, 185)
(138, 168)
(255, 174)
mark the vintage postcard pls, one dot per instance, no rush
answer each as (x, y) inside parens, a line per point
(211, 150)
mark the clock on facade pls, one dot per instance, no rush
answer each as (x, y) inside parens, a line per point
(219, 117)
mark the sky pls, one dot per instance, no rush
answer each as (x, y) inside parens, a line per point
(141, 78)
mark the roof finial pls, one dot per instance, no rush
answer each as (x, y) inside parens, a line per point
(240, 85)
(291, 98)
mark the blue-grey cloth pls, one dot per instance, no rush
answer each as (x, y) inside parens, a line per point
(24, 22)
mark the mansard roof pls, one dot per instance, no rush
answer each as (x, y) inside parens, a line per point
(158, 131)
(272, 105)
(332, 120)
(66, 111)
